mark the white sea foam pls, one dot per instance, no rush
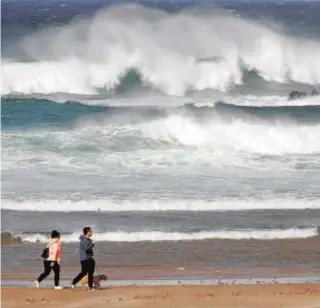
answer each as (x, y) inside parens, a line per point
(171, 132)
(236, 136)
(108, 205)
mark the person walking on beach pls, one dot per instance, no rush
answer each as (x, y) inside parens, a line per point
(86, 258)
(52, 260)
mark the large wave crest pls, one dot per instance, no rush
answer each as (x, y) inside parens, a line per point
(172, 53)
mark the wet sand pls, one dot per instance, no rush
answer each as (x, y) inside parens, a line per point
(154, 260)
(246, 296)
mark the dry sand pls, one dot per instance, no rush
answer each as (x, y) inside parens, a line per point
(246, 296)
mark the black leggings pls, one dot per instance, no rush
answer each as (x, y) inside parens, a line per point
(87, 267)
(47, 270)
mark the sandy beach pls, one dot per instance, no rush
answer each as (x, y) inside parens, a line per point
(286, 295)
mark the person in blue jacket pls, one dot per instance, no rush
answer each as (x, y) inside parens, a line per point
(88, 263)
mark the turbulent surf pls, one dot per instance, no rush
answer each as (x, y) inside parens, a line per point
(161, 122)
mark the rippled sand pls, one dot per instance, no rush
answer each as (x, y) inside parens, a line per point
(252, 296)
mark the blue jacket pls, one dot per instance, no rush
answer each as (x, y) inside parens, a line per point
(86, 248)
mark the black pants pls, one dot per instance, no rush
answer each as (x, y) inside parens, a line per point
(87, 268)
(47, 271)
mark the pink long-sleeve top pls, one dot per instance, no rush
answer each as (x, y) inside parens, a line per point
(54, 246)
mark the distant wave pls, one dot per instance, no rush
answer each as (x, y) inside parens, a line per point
(145, 205)
(154, 236)
(144, 47)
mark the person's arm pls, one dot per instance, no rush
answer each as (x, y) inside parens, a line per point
(88, 245)
(58, 252)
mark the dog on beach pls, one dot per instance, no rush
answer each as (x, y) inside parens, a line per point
(96, 280)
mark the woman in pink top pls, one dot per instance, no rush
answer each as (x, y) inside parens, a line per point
(53, 261)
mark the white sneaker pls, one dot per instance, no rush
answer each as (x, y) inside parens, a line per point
(58, 288)
(36, 284)
(73, 286)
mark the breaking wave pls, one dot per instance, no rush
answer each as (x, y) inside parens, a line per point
(144, 47)
(220, 131)
(177, 236)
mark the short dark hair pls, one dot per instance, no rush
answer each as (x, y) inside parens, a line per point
(55, 234)
(86, 230)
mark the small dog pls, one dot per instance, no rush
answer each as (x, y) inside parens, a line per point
(96, 280)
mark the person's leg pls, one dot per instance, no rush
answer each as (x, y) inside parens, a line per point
(46, 272)
(91, 268)
(84, 271)
(56, 269)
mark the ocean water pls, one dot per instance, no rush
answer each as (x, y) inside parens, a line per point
(160, 121)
